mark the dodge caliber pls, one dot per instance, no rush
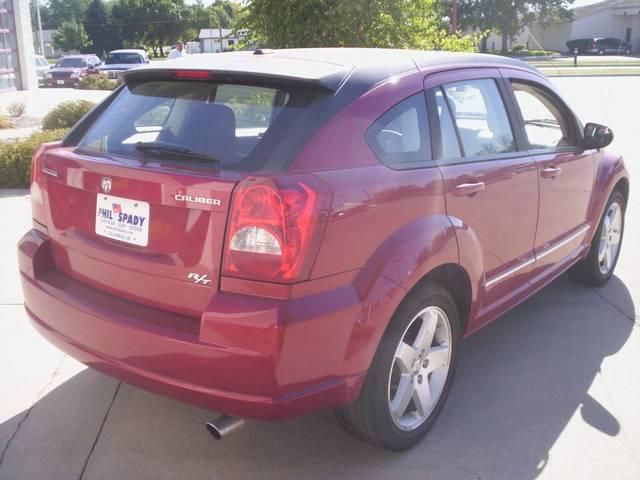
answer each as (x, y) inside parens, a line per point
(270, 233)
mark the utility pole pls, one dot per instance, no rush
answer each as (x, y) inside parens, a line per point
(40, 28)
(220, 29)
(454, 16)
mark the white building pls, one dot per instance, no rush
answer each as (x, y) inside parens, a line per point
(611, 18)
(17, 67)
(210, 40)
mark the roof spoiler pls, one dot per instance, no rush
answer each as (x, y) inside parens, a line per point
(331, 82)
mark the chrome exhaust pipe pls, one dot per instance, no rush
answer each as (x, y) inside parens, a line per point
(223, 425)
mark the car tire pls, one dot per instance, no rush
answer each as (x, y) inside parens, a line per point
(370, 416)
(597, 267)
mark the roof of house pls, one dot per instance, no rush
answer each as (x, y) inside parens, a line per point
(587, 10)
(325, 67)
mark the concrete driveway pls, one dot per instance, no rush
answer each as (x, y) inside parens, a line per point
(550, 390)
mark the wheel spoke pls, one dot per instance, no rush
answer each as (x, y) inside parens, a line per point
(402, 397)
(424, 338)
(607, 257)
(422, 397)
(438, 357)
(613, 249)
(405, 354)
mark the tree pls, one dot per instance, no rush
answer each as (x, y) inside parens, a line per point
(354, 23)
(58, 11)
(98, 26)
(508, 18)
(71, 36)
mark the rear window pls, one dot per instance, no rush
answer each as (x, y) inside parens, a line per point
(71, 63)
(123, 57)
(225, 122)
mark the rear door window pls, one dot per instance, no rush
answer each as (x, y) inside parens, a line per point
(481, 117)
(223, 122)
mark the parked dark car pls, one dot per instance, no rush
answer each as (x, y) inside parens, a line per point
(119, 61)
(600, 46)
(71, 69)
(271, 234)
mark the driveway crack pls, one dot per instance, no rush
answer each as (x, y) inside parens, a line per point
(42, 391)
(95, 441)
(604, 297)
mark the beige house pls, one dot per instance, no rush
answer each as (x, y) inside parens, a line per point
(610, 18)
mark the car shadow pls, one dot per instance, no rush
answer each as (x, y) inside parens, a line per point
(519, 383)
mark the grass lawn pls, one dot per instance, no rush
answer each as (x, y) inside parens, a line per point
(588, 72)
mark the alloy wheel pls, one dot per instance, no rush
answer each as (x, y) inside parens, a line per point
(420, 368)
(610, 236)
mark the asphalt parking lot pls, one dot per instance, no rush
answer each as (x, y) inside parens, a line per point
(551, 390)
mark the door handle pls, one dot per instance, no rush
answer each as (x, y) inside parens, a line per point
(550, 172)
(468, 189)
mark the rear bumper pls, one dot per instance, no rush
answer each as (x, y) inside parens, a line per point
(246, 356)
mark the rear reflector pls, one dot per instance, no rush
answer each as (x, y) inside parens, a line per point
(191, 74)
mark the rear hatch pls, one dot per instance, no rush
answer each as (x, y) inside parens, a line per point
(137, 206)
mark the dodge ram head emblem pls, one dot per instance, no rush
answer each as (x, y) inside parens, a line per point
(106, 184)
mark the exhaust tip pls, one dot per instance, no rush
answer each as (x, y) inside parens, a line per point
(223, 425)
(215, 433)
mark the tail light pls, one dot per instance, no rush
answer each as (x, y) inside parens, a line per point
(37, 200)
(275, 228)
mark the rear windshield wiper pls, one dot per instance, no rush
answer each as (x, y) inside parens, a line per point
(169, 149)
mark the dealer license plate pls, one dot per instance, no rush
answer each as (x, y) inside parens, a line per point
(122, 219)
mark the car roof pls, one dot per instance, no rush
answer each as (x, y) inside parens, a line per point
(128, 50)
(325, 67)
(80, 56)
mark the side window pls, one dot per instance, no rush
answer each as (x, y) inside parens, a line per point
(399, 138)
(448, 137)
(546, 124)
(481, 117)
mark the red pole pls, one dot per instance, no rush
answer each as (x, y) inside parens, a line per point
(454, 16)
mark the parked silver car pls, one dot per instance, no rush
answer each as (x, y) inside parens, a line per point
(42, 67)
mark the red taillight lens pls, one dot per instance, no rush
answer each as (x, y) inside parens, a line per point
(275, 228)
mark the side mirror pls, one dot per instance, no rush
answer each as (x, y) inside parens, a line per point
(597, 136)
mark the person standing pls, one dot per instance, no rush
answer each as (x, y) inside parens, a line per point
(177, 52)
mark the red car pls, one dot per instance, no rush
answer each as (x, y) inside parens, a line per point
(272, 233)
(71, 69)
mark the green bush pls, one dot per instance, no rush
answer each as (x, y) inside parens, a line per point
(67, 114)
(518, 47)
(4, 122)
(15, 157)
(96, 82)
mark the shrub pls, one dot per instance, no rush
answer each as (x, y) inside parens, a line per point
(67, 114)
(96, 82)
(15, 157)
(4, 122)
(518, 47)
(17, 109)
